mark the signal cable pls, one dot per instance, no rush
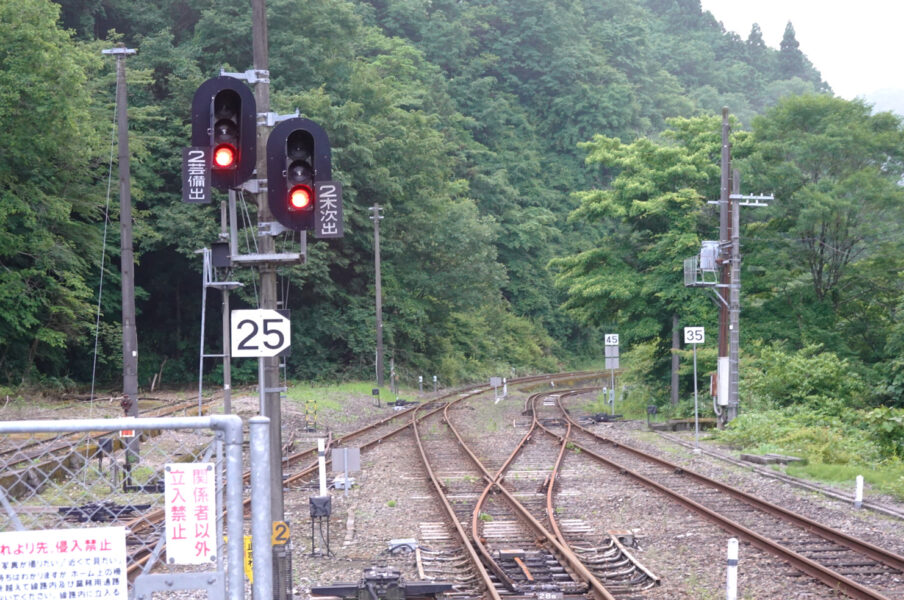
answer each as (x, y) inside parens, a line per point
(100, 289)
(246, 220)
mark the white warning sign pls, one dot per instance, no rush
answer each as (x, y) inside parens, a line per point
(191, 516)
(52, 564)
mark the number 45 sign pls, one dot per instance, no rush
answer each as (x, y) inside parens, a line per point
(257, 333)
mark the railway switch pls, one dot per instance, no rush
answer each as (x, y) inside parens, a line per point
(381, 583)
(402, 545)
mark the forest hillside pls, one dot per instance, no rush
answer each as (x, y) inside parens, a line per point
(542, 168)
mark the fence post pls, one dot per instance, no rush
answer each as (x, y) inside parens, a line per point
(261, 517)
(232, 433)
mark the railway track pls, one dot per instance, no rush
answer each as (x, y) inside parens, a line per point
(14, 453)
(843, 563)
(300, 468)
(503, 517)
(510, 522)
(877, 507)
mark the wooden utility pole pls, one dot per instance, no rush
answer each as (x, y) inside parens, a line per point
(376, 217)
(126, 255)
(676, 347)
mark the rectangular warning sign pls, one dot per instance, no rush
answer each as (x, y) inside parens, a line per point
(52, 564)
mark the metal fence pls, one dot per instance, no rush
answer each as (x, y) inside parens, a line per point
(117, 508)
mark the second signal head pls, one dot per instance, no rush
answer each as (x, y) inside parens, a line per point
(298, 160)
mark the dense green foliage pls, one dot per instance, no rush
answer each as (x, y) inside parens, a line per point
(500, 137)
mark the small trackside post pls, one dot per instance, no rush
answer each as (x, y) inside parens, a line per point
(731, 579)
(321, 462)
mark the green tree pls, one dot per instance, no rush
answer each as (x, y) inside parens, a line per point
(651, 216)
(48, 204)
(792, 62)
(825, 257)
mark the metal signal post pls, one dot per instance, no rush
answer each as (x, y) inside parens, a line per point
(232, 149)
(269, 366)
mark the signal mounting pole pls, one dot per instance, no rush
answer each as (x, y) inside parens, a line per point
(126, 257)
(268, 366)
(722, 272)
(725, 228)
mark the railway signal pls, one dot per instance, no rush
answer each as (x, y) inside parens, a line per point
(224, 122)
(299, 191)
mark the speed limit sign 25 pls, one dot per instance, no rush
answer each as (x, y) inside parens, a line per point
(256, 333)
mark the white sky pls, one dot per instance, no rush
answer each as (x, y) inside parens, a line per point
(858, 47)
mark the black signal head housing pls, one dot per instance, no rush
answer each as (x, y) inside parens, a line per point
(223, 110)
(298, 153)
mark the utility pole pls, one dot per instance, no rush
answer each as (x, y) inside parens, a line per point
(676, 346)
(268, 367)
(701, 271)
(724, 377)
(734, 299)
(376, 217)
(127, 258)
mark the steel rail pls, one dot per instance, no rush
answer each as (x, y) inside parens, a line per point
(151, 519)
(566, 554)
(550, 509)
(888, 511)
(461, 393)
(831, 578)
(462, 534)
(890, 559)
(482, 388)
(59, 444)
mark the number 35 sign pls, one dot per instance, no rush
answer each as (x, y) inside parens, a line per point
(693, 335)
(256, 333)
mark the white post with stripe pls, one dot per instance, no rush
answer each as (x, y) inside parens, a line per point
(321, 461)
(731, 583)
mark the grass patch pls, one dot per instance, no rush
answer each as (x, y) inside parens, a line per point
(835, 448)
(888, 479)
(331, 399)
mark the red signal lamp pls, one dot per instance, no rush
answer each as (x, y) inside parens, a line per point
(225, 156)
(301, 197)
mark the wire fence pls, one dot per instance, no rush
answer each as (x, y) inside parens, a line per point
(121, 508)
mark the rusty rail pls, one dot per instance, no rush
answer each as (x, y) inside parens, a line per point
(145, 522)
(828, 576)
